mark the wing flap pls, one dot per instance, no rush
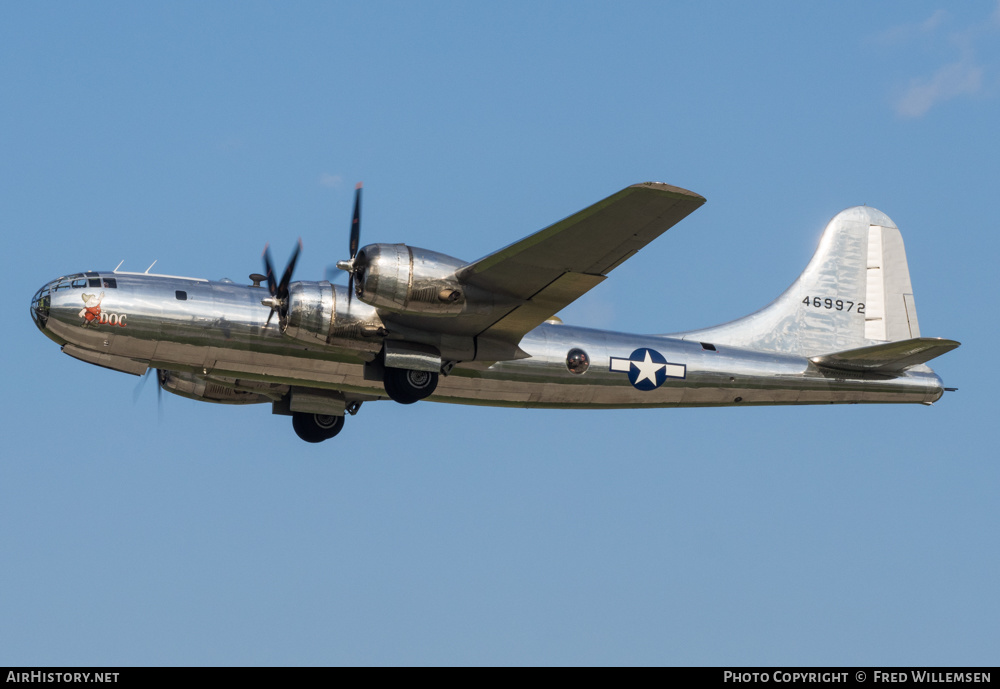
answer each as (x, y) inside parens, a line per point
(545, 303)
(889, 358)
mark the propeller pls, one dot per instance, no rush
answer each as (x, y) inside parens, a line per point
(161, 376)
(137, 393)
(349, 265)
(278, 301)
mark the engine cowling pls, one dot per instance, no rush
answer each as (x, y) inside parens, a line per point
(319, 312)
(405, 279)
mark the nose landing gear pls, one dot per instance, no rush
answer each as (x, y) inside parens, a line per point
(315, 428)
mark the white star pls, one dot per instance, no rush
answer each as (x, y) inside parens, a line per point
(647, 369)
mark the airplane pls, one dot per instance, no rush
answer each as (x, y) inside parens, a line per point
(414, 324)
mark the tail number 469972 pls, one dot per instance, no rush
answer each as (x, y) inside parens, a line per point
(835, 304)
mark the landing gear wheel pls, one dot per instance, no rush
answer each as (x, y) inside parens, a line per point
(406, 386)
(315, 428)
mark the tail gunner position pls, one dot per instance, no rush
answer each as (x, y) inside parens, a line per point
(414, 324)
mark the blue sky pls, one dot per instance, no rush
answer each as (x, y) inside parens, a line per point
(194, 133)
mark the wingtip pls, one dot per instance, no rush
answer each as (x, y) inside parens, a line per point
(669, 188)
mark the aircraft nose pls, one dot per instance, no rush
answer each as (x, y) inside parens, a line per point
(40, 305)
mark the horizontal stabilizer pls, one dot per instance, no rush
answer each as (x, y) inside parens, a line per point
(890, 358)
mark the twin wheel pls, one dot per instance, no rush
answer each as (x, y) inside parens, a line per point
(402, 385)
(407, 386)
(315, 428)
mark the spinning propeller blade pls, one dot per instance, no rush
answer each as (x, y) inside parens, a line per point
(278, 300)
(355, 239)
(160, 375)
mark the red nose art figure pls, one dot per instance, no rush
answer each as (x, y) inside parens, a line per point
(92, 310)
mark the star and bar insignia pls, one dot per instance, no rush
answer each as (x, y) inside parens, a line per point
(647, 369)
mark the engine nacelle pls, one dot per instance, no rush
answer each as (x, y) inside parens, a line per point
(319, 312)
(405, 279)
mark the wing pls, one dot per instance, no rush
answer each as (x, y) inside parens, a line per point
(555, 266)
(534, 278)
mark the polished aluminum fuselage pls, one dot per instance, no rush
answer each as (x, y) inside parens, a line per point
(217, 332)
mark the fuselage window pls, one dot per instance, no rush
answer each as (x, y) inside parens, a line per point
(94, 282)
(79, 283)
(577, 361)
(181, 294)
(111, 283)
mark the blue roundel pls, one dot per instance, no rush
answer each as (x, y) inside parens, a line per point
(648, 370)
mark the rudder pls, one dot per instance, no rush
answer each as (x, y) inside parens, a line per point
(890, 312)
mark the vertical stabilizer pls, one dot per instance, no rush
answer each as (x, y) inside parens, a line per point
(855, 292)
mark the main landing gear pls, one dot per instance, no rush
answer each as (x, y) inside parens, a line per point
(403, 385)
(406, 386)
(315, 428)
